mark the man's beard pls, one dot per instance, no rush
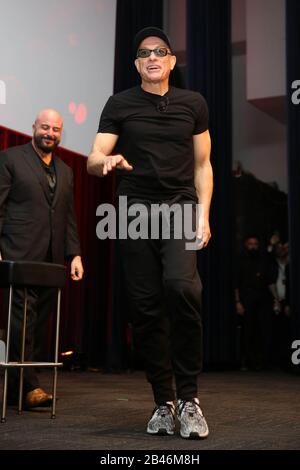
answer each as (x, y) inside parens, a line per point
(253, 253)
(38, 140)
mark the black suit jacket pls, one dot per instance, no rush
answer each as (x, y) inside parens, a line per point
(28, 220)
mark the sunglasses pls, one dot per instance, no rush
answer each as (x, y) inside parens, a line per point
(158, 52)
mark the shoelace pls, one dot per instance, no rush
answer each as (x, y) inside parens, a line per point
(189, 406)
(164, 409)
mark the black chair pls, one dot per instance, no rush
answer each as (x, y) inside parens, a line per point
(23, 274)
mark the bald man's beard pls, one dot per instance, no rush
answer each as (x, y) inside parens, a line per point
(39, 143)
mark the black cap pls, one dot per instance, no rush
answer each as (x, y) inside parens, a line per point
(146, 33)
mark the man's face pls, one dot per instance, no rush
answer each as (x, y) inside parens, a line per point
(281, 250)
(252, 245)
(47, 131)
(154, 69)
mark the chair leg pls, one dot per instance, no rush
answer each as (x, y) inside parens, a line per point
(4, 402)
(23, 343)
(53, 411)
(56, 354)
(22, 356)
(4, 398)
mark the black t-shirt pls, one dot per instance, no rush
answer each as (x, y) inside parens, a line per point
(50, 175)
(156, 137)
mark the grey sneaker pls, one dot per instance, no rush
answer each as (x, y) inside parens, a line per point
(162, 421)
(192, 422)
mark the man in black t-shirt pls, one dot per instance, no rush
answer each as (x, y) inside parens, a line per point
(157, 136)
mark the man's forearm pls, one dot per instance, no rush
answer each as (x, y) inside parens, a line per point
(95, 163)
(98, 159)
(204, 187)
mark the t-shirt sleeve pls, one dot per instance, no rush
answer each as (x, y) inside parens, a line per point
(202, 115)
(109, 123)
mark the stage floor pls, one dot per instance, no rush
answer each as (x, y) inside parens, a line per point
(244, 410)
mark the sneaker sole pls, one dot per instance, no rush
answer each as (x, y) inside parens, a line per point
(160, 432)
(194, 436)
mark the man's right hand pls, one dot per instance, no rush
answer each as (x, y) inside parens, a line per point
(101, 161)
(115, 161)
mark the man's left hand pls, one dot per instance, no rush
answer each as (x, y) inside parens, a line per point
(203, 234)
(76, 268)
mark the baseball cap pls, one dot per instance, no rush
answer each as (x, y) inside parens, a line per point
(146, 33)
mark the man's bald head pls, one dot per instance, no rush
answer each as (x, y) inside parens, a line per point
(47, 130)
(49, 114)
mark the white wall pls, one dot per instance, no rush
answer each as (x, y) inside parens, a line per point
(60, 54)
(259, 141)
(265, 36)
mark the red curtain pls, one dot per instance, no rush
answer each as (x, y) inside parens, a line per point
(86, 306)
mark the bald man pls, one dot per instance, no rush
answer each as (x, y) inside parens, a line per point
(37, 223)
